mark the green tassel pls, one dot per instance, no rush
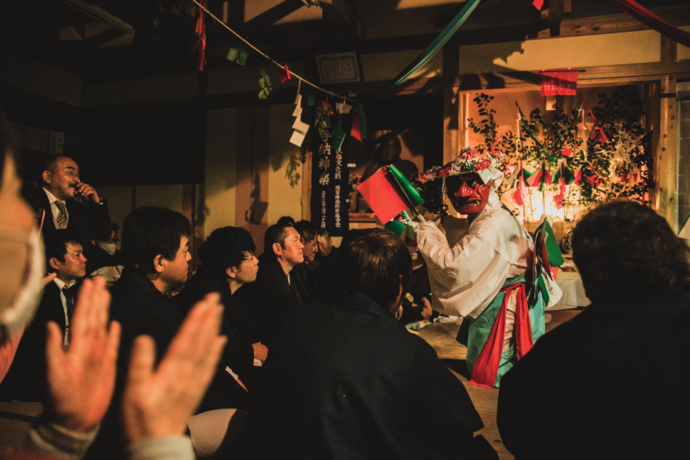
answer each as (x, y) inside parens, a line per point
(412, 194)
(396, 227)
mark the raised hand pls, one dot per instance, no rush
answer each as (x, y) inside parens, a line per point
(158, 403)
(81, 380)
(87, 192)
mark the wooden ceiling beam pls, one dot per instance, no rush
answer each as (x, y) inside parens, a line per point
(273, 15)
(555, 17)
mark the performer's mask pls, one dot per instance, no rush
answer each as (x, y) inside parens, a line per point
(467, 193)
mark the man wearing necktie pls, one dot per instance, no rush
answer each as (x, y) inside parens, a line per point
(63, 201)
(65, 258)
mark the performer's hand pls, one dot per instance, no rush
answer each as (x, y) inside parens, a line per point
(158, 403)
(81, 380)
(87, 192)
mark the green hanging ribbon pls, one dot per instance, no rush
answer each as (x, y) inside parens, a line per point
(436, 45)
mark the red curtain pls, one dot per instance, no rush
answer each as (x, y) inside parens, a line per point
(655, 22)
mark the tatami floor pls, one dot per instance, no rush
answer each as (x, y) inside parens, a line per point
(15, 416)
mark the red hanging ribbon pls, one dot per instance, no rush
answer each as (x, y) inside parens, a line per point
(201, 41)
(655, 22)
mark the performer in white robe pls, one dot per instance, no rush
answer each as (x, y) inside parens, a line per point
(482, 277)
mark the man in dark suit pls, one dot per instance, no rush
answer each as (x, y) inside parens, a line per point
(64, 201)
(277, 292)
(155, 249)
(347, 380)
(64, 257)
(229, 265)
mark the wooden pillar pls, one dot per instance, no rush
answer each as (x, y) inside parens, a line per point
(306, 185)
(665, 156)
(451, 100)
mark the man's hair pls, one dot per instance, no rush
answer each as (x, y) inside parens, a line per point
(624, 250)
(306, 229)
(375, 263)
(226, 247)
(288, 219)
(150, 231)
(56, 245)
(325, 234)
(276, 233)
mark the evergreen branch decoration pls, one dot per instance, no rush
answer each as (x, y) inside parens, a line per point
(614, 162)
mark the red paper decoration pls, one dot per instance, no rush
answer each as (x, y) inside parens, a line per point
(558, 82)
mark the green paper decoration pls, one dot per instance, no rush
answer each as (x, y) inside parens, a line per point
(338, 138)
(265, 84)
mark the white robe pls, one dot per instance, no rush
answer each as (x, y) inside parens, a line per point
(465, 278)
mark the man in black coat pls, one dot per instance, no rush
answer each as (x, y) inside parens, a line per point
(228, 266)
(64, 257)
(155, 250)
(64, 201)
(347, 380)
(612, 381)
(277, 291)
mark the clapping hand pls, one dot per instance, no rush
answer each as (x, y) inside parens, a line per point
(157, 403)
(81, 380)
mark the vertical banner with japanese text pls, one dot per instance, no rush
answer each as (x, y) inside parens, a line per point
(330, 186)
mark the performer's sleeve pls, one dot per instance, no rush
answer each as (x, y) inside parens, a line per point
(466, 275)
(471, 255)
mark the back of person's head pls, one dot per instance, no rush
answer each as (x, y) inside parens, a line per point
(624, 250)
(150, 231)
(56, 245)
(375, 263)
(276, 233)
(306, 229)
(226, 247)
(286, 219)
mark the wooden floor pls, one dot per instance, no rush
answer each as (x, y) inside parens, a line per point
(441, 336)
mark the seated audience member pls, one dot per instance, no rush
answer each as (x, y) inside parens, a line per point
(277, 293)
(306, 272)
(156, 256)
(64, 257)
(611, 382)
(155, 248)
(228, 263)
(346, 380)
(62, 200)
(80, 380)
(106, 259)
(325, 249)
